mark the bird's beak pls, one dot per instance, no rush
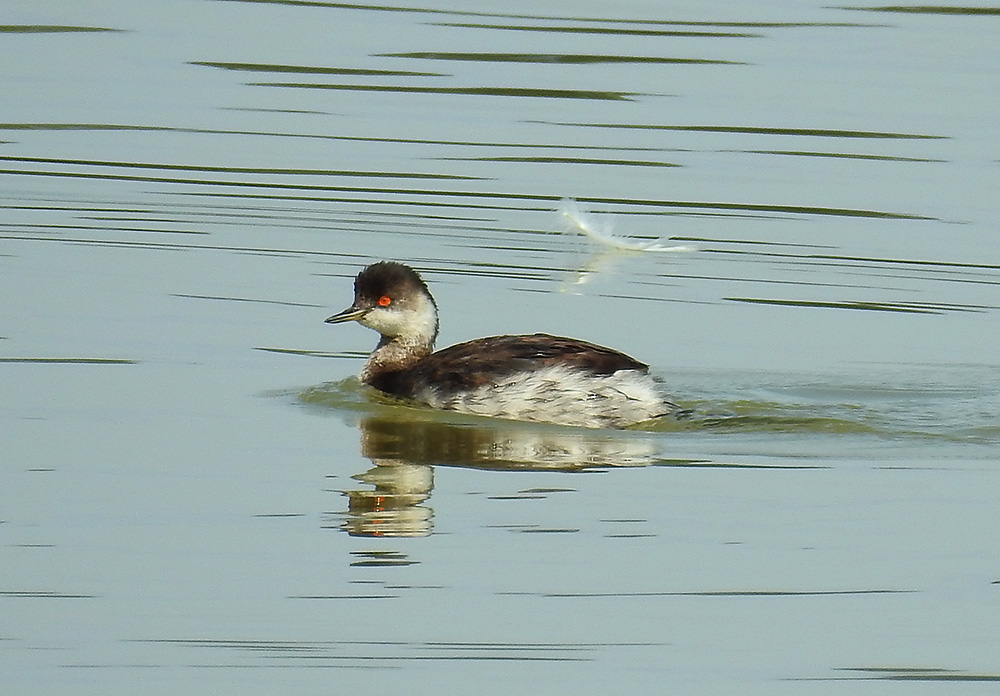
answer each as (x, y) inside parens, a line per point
(349, 314)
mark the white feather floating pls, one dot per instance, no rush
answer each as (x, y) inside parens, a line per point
(600, 232)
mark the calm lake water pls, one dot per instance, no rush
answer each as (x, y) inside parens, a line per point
(197, 496)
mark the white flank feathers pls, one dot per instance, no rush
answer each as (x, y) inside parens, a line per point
(559, 394)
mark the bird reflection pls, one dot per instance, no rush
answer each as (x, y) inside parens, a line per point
(394, 507)
(405, 443)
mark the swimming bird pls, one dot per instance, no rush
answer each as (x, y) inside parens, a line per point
(537, 377)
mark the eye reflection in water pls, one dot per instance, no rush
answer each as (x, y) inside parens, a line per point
(394, 507)
(405, 447)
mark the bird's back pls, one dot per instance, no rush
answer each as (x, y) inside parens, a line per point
(473, 364)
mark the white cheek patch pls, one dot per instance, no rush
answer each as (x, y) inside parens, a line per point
(385, 322)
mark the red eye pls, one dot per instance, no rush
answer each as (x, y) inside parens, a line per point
(384, 301)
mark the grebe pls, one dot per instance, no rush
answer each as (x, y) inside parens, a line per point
(539, 378)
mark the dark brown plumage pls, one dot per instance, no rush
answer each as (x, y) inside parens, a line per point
(484, 361)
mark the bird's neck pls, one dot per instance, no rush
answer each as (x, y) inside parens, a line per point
(393, 355)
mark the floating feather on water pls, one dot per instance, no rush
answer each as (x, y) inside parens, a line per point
(600, 231)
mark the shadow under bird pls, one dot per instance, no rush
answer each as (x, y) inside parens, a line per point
(537, 377)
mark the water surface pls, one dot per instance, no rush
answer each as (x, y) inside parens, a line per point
(197, 493)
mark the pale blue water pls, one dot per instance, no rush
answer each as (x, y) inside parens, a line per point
(196, 496)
